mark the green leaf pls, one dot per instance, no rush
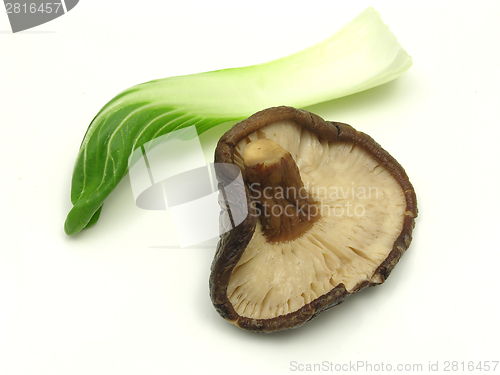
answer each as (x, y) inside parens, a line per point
(360, 56)
(94, 218)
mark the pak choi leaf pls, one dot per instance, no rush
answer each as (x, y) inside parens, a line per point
(362, 55)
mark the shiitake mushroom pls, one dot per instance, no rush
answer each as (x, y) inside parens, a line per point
(329, 213)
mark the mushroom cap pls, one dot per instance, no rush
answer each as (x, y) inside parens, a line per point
(367, 214)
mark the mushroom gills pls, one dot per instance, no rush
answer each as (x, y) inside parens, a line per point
(361, 212)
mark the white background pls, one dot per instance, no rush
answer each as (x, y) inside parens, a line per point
(120, 299)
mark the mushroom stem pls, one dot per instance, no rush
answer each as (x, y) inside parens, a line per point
(285, 208)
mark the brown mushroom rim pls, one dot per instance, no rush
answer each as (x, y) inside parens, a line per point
(366, 214)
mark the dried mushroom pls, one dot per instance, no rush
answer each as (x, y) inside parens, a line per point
(329, 213)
